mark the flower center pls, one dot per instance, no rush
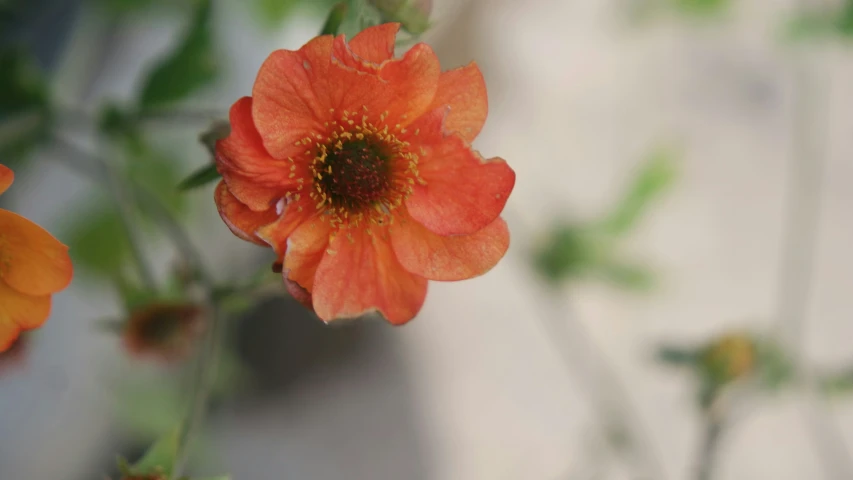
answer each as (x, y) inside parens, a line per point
(361, 171)
(356, 174)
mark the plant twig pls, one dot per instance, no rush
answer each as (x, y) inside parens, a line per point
(619, 423)
(802, 219)
(205, 375)
(125, 206)
(711, 439)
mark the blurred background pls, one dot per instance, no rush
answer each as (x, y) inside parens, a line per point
(675, 303)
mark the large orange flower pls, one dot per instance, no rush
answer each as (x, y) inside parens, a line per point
(33, 265)
(356, 168)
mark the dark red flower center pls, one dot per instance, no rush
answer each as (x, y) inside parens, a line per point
(356, 175)
(362, 170)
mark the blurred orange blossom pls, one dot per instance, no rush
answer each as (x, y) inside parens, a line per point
(356, 168)
(33, 266)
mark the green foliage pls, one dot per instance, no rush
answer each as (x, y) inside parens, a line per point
(838, 383)
(567, 251)
(701, 7)
(159, 172)
(574, 251)
(335, 19)
(824, 23)
(200, 178)
(677, 356)
(192, 65)
(159, 459)
(775, 367)
(97, 243)
(653, 178)
(413, 15)
(25, 112)
(360, 15)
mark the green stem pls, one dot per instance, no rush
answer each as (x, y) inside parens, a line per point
(98, 170)
(125, 205)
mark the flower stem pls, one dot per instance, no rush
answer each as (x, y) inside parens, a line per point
(205, 375)
(713, 432)
(124, 204)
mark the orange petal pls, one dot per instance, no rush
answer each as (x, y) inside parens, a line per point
(253, 176)
(360, 273)
(464, 90)
(291, 95)
(448, 258)
(412, 83)
(242, 221)
(376, 44)
(462, 193)
(19, 312)
(305, 248)
(292, 216)
(32, 261)
(7, 176)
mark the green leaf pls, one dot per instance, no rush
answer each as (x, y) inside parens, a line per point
(218, 130)
(200, 178)
(192, 65)
(97, 241)
(838, 383)
(567, 251)
(360, 15)
(677, 356)
(274, 12)
(157, 171)
(335, 19)
(653, 178)
(701, 7)
(160, 457)
(627, 276)
(25, 112)
(775, 368)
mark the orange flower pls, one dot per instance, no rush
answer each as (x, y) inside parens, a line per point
(33, 266)
(356, 168)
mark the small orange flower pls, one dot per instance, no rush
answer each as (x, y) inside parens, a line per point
(163, 331)
(33, 266)
(357, 169)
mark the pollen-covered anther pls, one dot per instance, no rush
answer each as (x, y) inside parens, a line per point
(361, 172)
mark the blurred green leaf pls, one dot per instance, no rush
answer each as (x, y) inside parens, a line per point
(567, 251)
(97, 241)
(25, 112)
(274, 12)
(413, 15)
(839, 383)
(218, 130)
(360, 15)
(192, 65)
(627, 276)
(823, 23)
(160, 457)
(200, 178)
(679, 356)
(775, 368)
(653, 178)
(150, 410)
(701, 7)
(159, 172)
(335, 19)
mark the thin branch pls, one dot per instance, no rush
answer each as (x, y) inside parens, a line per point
(98, 170)
(711, 439)
(125, 206)
(806, 175)
(620, 425)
